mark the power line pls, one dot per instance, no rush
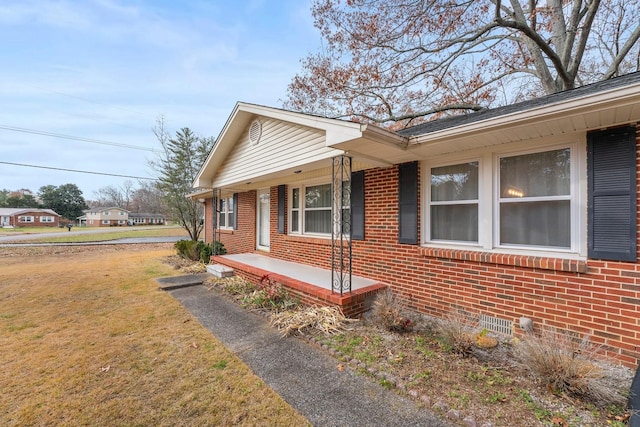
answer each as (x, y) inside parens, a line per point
(77, 171)
(75, 138)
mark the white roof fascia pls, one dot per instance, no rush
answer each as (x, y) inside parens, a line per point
(336, 132)
(566, 108)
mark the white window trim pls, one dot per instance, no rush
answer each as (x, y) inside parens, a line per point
(26, 218)
(427, 210)
(105, 222)
(47, 219)
(301, 209)
(226, 212)
(488, 203)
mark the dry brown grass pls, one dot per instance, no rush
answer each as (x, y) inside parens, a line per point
(88, 339)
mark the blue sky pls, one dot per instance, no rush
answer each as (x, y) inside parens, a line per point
(106, 69)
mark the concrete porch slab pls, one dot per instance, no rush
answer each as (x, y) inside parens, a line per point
(312, 285)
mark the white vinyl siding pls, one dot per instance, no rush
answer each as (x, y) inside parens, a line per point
(282, 145)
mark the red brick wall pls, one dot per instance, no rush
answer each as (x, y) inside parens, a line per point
(14, 220)
(601, 298)
(242, 239)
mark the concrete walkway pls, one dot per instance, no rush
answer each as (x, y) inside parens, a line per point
(305, 376)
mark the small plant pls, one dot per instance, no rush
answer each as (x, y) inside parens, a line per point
(386, 384)
(389, 312)
(422, 348)
(566, 364)
(221, 364)
(456, 331)
(497, 397)
(270, 294)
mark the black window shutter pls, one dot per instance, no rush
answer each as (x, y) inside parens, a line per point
(282, 189)
(408, 203)
(611, 169)
(357, 205)
(235, 211)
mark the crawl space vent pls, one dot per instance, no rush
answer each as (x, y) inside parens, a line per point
(255, 132)
(495, 324)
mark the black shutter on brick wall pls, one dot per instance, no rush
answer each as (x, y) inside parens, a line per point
(235, 211)
(408, 203)
(282, 190)
(357, 205)
(611, 170)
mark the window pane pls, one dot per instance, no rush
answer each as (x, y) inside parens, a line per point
(317, 221)
(295, 216)
(318, 196)
(456, 182)
(230, 209)
(536, 175)
(295, 203)
(221, 221)
(536, 223)
(454, 222)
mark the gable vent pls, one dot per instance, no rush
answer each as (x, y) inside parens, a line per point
(255, 132)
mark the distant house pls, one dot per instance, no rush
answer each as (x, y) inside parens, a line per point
(114, 216)
(28, 217)
(146, 219)
(105, 217)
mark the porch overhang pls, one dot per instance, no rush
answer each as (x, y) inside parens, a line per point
(337, 136)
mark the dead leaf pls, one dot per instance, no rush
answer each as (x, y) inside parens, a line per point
(105, 368)
(194, 345)
(341, 367)
(559, 421)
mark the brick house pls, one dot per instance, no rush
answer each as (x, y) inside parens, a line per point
(28, 217)
(105, 217)
(524, 212)
(146, 219)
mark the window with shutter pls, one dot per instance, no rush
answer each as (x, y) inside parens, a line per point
(611, 169)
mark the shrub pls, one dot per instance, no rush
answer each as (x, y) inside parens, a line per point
(188, 249)
(457, 331)
(389, 312)
(218, 248)
(567, 364)
(198, 251)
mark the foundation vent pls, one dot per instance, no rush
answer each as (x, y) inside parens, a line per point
(495, 324)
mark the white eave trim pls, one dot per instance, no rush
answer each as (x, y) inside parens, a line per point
(571, 107)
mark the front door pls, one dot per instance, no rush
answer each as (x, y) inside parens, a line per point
(263, 219)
